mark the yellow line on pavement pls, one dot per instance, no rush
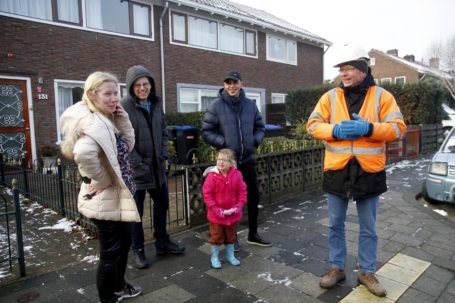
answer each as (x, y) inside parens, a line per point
(397, 275)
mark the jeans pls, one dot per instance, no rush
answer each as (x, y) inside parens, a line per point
(250, 178)
(368, 240)
(115, 240)
(160, 199)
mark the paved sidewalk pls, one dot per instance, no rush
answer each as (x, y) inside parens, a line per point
(416, 258)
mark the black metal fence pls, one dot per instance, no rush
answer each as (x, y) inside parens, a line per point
(11, 248)
(57, 187)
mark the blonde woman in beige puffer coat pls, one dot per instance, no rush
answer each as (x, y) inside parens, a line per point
(98, 136)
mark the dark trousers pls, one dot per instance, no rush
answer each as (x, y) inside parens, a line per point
(222, 234)
(249, 174)
(115, 240)
(160, 199)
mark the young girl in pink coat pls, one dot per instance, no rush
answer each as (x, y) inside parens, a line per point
(225, 195)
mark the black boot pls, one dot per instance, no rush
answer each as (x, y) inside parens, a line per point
(139, 259)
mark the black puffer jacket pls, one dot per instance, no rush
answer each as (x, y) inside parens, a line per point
(235, 123)
(150, 150)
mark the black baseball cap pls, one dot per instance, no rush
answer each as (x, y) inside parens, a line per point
(233, 75)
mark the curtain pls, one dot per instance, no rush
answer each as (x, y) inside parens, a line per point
(141, 20)
(65, 99)
(93, 12)
(41, 9)
(68, 10)
(202, 32)
(231, 39)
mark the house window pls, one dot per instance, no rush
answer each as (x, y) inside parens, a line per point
(400, 80)
(231, 39)
(386, 81)
(179, 27)
(123, 92)
(66, 11)
(195, 99)
(372, 61)
(210, 34)
(250, 43)
(281, 50)
(125, 17)
(202, 32)
(122, 17)
(278, 98)
(67, 93)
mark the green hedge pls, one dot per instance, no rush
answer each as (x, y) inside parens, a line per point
(420, 103)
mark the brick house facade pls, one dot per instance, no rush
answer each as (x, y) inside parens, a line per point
(389, 67)
(41, 60)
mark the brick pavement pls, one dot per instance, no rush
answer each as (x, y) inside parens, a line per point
(289, 271)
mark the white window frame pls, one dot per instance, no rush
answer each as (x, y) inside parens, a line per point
(83, 22)
(186, 41)
(288, 43)
(372, 61)
(57, 84)
(256, 93)
(400, 77)
(388, 80)
(280, 96)
(199, 89)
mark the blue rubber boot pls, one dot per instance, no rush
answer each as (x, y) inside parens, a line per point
(230, 255)
(215, 259)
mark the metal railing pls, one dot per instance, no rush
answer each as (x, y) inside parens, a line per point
(8, 251)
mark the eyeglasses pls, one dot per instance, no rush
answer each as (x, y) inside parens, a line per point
(223, 160)
(346, 69)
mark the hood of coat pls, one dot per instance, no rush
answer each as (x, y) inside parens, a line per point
(134, 73)
(78, 120)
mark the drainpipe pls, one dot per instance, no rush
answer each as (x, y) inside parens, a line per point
(163, 81)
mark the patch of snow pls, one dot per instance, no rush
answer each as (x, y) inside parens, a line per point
(64, 224)
(268, 277)
(91, 259)
(441, 212)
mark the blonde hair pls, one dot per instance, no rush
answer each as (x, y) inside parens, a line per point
(92, 85)
(230, 154)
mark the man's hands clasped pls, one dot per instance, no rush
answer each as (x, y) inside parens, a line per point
(351, 129)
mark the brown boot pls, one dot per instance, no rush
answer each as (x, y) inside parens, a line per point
(369, 280)
(332, 277)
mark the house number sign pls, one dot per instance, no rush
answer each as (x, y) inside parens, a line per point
(42, 97)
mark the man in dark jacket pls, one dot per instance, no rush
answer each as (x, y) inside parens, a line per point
(233, 121)
(148, 160)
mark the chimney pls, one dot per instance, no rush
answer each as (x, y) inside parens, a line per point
(409, 58)
(393, 52)
(434, 62)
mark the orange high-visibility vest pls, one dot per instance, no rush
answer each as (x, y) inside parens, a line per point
(379, 108)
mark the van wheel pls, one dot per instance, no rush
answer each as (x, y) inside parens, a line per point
(425, 195)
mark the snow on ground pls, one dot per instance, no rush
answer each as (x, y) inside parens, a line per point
(50, 241)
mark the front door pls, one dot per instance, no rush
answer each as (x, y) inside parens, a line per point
(14, 119)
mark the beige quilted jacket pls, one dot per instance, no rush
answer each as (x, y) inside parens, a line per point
(92, 136)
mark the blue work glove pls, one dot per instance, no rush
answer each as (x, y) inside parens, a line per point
(340, 134)
(357, 127)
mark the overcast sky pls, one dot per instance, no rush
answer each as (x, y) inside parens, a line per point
(411, 26)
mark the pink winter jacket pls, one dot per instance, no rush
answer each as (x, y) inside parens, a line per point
(222, 192)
